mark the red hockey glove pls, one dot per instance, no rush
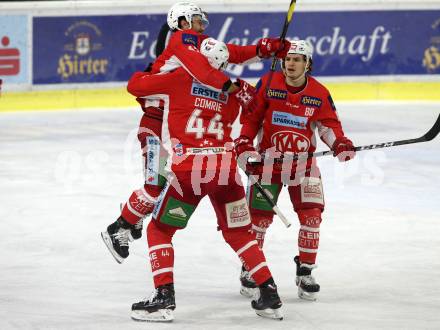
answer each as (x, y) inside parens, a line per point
(344, 149)
(242, 145)
(245, 95)
(268, 47)
(244, 149)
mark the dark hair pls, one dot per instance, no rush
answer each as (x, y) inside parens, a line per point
(179, 21)
(309, 71)
(161, 39)
(310, 66)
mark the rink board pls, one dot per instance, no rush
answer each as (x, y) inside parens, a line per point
(118, 97)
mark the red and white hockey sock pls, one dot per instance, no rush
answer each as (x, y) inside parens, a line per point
(252, 257)
(140, 204)
(260, 223)
(308, 236)
(161, 253)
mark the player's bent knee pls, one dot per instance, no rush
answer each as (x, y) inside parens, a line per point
(236, 237)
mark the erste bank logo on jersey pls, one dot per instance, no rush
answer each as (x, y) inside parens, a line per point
(288, 120)
(200, 90)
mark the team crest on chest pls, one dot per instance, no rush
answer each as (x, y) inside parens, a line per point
(289, 141)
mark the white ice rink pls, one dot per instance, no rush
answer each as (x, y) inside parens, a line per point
(63, 175)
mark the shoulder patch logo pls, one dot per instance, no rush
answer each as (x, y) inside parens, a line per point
(189, 39)
(277, 94)
(311, 100)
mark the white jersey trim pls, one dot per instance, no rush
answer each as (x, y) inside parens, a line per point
(132, 210)
(247, 246)
(160, 246)
(163, 270)
(257, 268)
(311, 229)
(308, 250)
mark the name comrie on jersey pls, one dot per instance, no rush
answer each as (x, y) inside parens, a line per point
(198, 89)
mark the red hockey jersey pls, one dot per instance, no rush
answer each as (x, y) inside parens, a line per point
(183, 51)
(288, 122)
(197, 120)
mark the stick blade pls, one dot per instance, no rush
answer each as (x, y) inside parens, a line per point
(433, 132)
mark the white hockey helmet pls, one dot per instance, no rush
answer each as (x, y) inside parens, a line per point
(216, 52)
(187, 10)
(302, 47)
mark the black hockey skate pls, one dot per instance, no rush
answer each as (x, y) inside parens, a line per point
(269, 303)
(158, 308)
(136, 230)
(248, 286)
(307, 287)
(116, 239)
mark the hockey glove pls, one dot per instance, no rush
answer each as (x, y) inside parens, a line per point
(344, 149)
(268, 47)
(244, 149)
(245, 95)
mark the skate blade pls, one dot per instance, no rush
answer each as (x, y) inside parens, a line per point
(270, 313)
(310, 296)
(162, 315)
(248, 292)
(108, 242)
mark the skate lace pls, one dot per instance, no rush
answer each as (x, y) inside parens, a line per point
(138, 225)
(308, 280)
(151, 297)
(122, 236)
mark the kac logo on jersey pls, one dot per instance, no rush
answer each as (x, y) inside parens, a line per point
(288, 141)
(277, 94)
(203, 91)
(189, 39)
(288, 120)
(178, 149)
(311, 100)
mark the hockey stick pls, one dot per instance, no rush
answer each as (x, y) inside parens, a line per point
(282, 38)
(274, 206)
(428, 136)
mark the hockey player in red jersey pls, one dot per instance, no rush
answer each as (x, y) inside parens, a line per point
(293, 110)
(188, 22)
(196, 129)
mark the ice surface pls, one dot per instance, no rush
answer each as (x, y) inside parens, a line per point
(63, 175)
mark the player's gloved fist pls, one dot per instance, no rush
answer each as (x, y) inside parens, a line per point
(344, 149)
(268, 47)
(242, 145)
(245, 94)
(245, 150)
